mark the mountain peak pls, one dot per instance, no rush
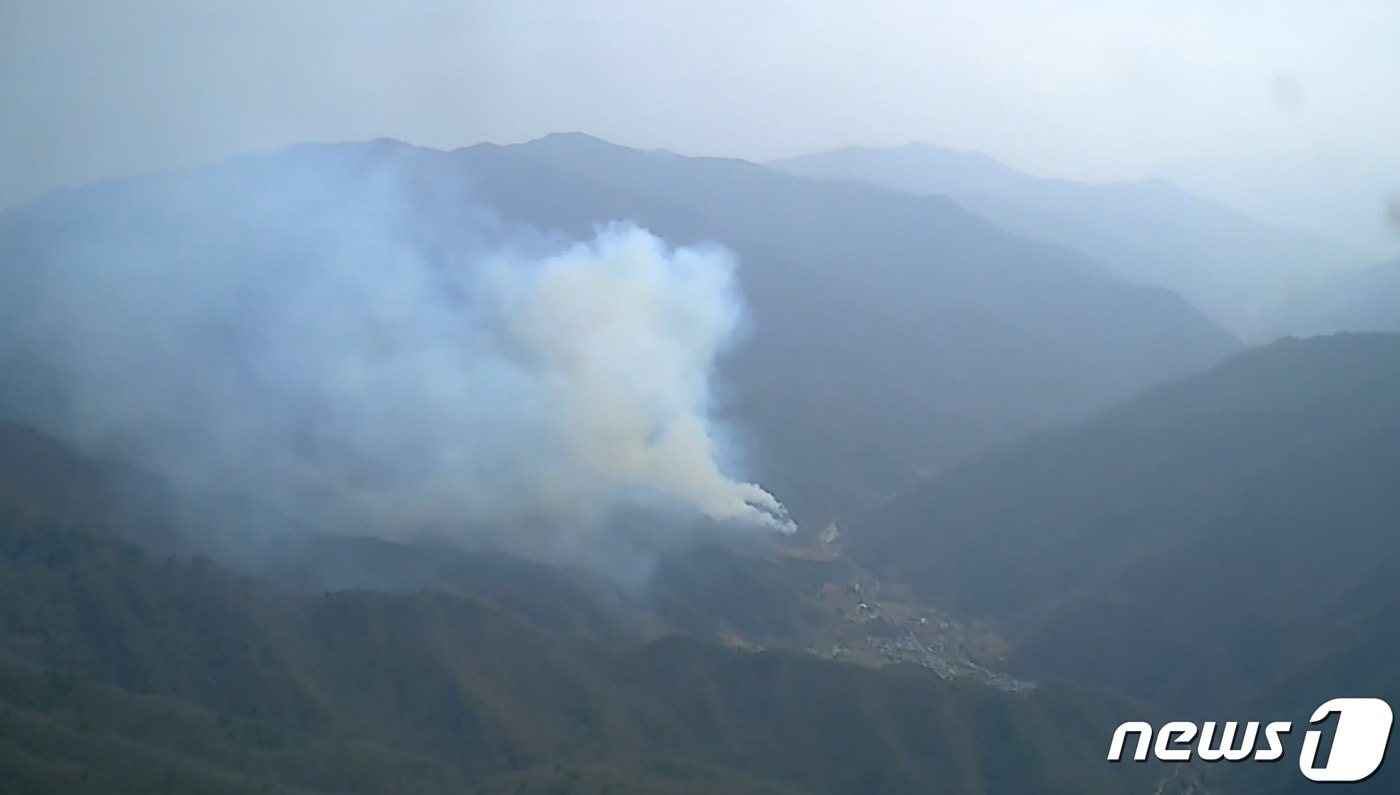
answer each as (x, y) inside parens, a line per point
(572, 142)
(571, 137)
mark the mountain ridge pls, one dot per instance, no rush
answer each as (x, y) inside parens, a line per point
(927, 330)
(1225, 540)
(1234, 267)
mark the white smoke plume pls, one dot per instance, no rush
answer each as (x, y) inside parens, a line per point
(367, 351)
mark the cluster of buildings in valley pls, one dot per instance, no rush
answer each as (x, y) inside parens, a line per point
(871, 624)
(871, 629)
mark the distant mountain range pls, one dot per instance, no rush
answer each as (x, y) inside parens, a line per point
(1234, 268)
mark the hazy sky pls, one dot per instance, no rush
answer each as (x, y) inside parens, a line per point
(1286, 108)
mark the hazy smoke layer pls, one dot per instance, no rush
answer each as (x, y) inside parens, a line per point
(367, 353)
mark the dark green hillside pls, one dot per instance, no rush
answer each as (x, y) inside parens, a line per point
(123, 671)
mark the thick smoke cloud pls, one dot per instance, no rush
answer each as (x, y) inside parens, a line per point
(358, 345)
